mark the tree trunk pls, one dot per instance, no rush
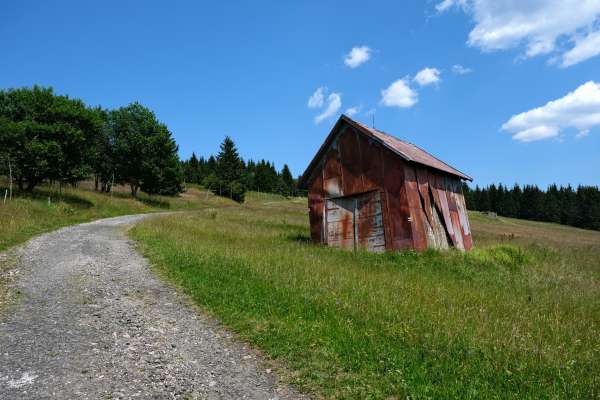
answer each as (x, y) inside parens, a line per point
(10, 177)
(134, 190)
(96, 183)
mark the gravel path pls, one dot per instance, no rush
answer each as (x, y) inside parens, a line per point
(93, 322)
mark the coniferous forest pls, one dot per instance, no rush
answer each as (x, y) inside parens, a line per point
(565, 205)
(229, 175)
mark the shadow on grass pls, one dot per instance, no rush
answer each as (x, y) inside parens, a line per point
(300, 238)
(43, 195)
(154, 201)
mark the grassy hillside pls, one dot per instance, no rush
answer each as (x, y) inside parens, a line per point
(518, 317)
(45, 209)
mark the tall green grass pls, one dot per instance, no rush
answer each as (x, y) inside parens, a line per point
(510, 320)
(29, 214)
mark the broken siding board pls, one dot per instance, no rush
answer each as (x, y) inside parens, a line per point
(444, 209)
(448, 187)
(423, 182)
(417, 215)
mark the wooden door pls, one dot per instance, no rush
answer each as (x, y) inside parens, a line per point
(340, 222)
(356, 222)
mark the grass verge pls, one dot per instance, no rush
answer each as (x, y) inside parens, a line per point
(45, 209)
(515, 318)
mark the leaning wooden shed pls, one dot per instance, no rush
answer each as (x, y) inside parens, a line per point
(368, 189)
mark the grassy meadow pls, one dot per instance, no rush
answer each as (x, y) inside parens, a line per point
(46, 209)
(518, 317)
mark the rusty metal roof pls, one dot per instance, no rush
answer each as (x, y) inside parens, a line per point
(406, 150)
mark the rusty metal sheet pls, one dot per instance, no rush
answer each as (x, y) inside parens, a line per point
(315, 210)
(423, 183)
(417, 215)
(416, 207)
(397, 202)
(462, 214)
(408, 151)
(444, 208)
(458, 235)
(350, 162)
(405, 150)
(373, 164)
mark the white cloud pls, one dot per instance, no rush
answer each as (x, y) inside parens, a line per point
(446, 4)
(579, 109)
(399, 94)
(317, 99)
(460, 70)
(357, 56)
(353, 111)
(542, 26)
(334, 103)
(427, 76)
(586, 47)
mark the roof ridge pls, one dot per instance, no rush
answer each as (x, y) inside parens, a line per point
(410, 143)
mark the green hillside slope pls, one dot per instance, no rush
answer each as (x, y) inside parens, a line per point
(518, 317)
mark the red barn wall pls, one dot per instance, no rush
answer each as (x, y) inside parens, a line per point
(421, 207)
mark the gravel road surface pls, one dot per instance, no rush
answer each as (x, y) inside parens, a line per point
(91, 321)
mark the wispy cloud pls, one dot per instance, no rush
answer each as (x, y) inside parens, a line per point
(357, 56)
(579, 109)
(334, 103)
(460, 70)
(317, 99)
(352, 111)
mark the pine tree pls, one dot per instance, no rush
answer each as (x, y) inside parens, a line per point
(551, 211)
(229, 171)
(287, 180)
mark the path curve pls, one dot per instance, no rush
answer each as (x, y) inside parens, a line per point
(93, 322)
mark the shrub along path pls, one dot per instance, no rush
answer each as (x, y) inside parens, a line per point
(92, 321)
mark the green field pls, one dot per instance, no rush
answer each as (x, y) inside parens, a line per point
(46, 209)
(518, 317)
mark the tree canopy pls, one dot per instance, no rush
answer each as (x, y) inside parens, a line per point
(46, 136)
(53, 138)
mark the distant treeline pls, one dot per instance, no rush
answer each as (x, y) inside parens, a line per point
(227, 174)
(45, 137)
(563, 205)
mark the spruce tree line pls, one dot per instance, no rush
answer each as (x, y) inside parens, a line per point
(229, 175)
(563, 205)
(45, 137)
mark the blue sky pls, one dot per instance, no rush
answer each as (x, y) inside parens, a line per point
(247, 69)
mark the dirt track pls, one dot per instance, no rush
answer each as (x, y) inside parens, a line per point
(92, 321)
